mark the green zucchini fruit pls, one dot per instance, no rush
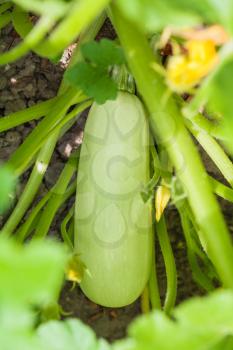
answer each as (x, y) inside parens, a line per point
(113, 226)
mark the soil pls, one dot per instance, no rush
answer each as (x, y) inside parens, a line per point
(33, 79)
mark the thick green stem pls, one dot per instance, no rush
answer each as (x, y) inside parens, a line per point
(167, 124)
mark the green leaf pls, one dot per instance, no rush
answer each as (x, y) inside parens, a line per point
(103, 53)
(92, 75)
(71, 334)
(8, 182)
(213, 313)
(154, 15)
(156, 332)
(197, 324)
(224, 344)
(94, 81)
(30, 274)
(16, 330)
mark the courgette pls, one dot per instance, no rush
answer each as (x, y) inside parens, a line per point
(113, 225)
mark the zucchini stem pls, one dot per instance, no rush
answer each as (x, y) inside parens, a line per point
(153, 283)
(170, 265)
(145, 302)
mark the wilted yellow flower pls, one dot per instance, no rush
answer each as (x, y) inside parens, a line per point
(184, 71)
(162, 198)
(75, 269)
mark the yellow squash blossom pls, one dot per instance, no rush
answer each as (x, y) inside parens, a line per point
(184, 71)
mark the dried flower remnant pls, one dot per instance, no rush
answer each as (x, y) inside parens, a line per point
(162, 198)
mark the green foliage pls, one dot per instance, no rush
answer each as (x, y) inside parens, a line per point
(92, 75)
(103, 53)
(32, 276)
(71, 334)
(154, 15)
(200, 323)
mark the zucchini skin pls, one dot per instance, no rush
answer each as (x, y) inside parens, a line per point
(113, 226)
